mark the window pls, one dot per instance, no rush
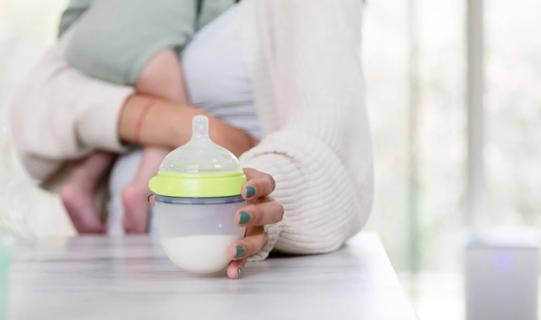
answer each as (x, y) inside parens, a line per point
(416, 62)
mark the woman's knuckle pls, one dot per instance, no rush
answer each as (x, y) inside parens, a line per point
(249, 171)
(265, 239)
(260, 215)
(251, 247)
(272, 182)
(259, 186)
(281, 210)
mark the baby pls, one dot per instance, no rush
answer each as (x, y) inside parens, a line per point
(127, 42)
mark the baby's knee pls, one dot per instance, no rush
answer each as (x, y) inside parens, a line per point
(162, 67)
(161, 75)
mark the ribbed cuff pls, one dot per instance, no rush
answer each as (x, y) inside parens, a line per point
(289, 182)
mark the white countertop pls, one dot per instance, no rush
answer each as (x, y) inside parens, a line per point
(130, 278)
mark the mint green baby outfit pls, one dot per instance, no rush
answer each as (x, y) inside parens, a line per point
(114, 39)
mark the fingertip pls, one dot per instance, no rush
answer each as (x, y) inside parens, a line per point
(243, 217)
(249, 192)
(236, 251)
(234, 270)
(231, 251)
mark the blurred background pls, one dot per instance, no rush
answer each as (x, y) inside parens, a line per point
(426, 107)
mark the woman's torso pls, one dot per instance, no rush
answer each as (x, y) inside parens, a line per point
(217, 77)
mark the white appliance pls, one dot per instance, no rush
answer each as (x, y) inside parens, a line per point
(501, 273)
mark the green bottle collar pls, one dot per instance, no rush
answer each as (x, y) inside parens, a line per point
(202, 185)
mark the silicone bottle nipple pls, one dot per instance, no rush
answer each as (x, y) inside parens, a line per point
(200, 128)
(200, 154)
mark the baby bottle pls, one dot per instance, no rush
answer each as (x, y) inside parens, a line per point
(197, 192)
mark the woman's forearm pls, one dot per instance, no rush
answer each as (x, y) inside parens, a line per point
(146, 120)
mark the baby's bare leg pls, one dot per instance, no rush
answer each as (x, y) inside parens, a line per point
(161, 77)
(135, 195)
(77, 194)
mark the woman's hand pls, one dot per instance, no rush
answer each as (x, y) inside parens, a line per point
(260, 211)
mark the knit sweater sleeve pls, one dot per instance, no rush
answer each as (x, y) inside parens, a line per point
(59, 114)
(318, 149)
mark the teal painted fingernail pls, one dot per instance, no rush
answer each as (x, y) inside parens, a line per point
(244, 217)
(250, 191)
(240, 251)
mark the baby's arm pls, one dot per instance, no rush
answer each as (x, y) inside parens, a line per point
(162, 77)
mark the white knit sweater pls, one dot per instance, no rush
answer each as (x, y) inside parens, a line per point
(304, 61)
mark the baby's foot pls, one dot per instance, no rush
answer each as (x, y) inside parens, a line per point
(79, 204)
(135, 204)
